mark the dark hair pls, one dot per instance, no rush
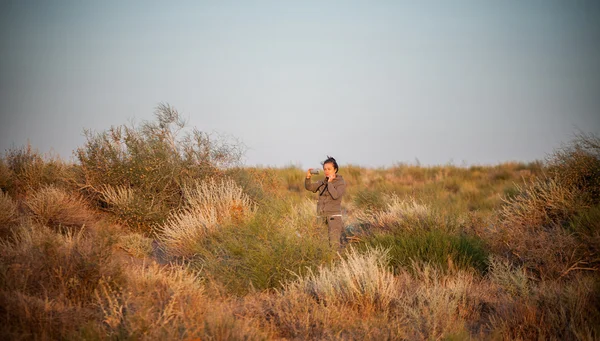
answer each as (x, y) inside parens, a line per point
(331, 160)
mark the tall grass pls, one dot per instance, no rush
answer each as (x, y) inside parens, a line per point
(259, 255)
(361, 280)
(55, 207)
(534, 226)
(24, 170)
(153, 235)
(445, 250)
(208, 206)
(47, 281)
(8, 210)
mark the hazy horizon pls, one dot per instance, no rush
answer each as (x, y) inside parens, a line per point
(372, 84)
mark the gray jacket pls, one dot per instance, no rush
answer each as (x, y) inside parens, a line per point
(330, 194)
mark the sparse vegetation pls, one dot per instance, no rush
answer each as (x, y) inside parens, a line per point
(157, 233)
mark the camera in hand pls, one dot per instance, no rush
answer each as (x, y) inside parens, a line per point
(315, 171)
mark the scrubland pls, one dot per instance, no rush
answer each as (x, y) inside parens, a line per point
(157, 232)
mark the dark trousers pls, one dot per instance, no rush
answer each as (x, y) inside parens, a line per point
(335, 226)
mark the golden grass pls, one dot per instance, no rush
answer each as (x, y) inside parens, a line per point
(167, 303)
(540, 203)
(358, 280)
(55, 207)
(208, 206)
(48, 279)
(136, 245)
(223, 197)
(256, 269)
(397, 209)
(8, 210)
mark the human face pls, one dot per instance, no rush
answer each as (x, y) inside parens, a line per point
(328, 169)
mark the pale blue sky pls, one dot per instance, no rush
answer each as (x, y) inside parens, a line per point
(371, 83)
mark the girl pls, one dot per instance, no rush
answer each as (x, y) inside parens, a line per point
(331, 189)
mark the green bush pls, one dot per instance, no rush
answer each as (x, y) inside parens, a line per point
(261, 254)
(443, 249)
(153, 160)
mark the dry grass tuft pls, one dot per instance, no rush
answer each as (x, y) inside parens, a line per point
(396, 210)
(120, 197)
(154, 302)
(555, 309)
(183, 231)
(438, 305)
(512, 279)
(167, 303)
(223, 198)
(8, 210)
(128, 206)
(540, 203)
(48, 280)
(55, 207)
(359, 280)
(136, 245)
(301, 219)
(532, 231)
(208, 206)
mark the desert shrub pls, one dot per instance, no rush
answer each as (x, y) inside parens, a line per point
(510, 192)
(585, 227)
(570, 309)
(155, 303)
(412, 230)
(293, 177)
(577, 165)
(541, 203)
(296, 316)
(552, 310)
(208, 205)
(154, 160)
(347, 300)
(223, 198)
(500, 174)
(543, 227)
(183, 233)
(260, 184)
(25, 169)
(300, 219)
(5, 175)
(55, 207)
(47, 281)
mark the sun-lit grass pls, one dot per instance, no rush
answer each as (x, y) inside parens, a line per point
(362, 280)
(136, 245)
(55, 207)
(152, 235)
(8, 210)
(208, 206)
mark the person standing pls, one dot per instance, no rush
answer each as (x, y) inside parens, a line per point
(330, 190)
